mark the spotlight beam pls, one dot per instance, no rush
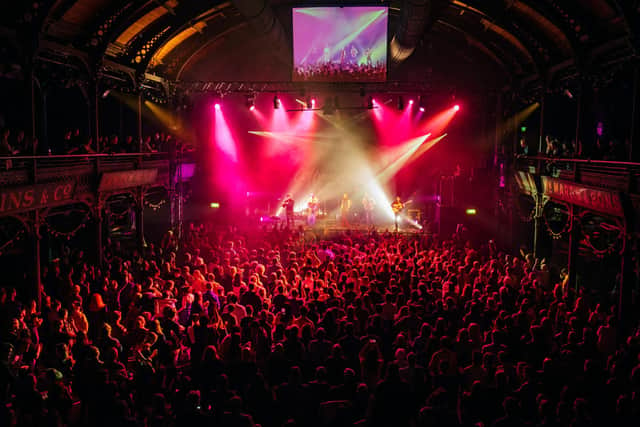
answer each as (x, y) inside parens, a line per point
(415, 149)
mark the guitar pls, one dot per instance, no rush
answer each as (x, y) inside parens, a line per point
(398, 207)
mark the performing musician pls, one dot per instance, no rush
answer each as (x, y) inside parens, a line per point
(354, 54)
(312, 208)
(368, 204)
(345, 208)
(367, 53)
(397, 206)
(288, 205)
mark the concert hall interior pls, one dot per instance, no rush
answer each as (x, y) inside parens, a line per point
(320, 213)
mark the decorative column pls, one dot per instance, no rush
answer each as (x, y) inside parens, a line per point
(140, 121)
(538, 227)
(541, 131)
(99, 230)
(173, 207)
(140, 217)
(625, 287)
(30, 87)
(45, 121)
(37, 222)
(627, 273)
(633, 137)
(579, 119)
(93, 96)
(574, 244)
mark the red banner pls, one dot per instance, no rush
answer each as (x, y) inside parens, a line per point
(127, 179)
(35, 196)
(598, 200)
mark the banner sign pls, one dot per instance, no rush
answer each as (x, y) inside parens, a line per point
(127, 179)
(35, 196)
(526, 183)
(598, 200)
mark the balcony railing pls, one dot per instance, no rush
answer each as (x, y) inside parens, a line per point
(613, 175)
(20, 170)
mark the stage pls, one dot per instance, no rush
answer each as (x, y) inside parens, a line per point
(329, 227)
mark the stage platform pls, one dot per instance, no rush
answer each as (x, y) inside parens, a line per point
(328, 226)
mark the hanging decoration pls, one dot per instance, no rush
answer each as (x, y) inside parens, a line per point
(68, 234)
(155, 206)
(566, 228)
(590, 239)
(156, 198)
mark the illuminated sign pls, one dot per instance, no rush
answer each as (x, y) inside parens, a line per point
(597, 200)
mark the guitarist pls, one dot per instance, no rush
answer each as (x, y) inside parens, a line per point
(312, 207)
(288, 205)
(397, 206)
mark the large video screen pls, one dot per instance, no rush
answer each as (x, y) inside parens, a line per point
(340, 44)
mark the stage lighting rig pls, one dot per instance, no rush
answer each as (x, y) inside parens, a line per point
(421, 103)
(251, 102)
(276, 102)
(310, 103)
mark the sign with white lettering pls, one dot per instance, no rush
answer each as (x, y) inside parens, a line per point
(35, 196)
(598, 200)
(127, 179)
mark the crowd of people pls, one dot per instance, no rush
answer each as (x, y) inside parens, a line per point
(279, 328)
(338, 72)
(604, 149)
(15, 143)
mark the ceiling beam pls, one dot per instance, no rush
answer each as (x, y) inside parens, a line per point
(182, 15)
(494, 17)
(630, 14)
(204, 46)
(123, 21)
(475, 42)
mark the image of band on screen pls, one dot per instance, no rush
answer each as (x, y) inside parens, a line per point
(340, 43)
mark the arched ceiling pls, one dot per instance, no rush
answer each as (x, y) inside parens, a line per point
(525, 40)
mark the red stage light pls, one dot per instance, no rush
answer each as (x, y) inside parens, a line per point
(313, 103)
(456, 107)
(411, 102)
(253, 107)
(217, 106)
(422, 109)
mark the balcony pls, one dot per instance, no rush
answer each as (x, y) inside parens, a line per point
(622, 177)
(87, 173)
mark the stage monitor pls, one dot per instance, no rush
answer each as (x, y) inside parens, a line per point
(340, 44)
